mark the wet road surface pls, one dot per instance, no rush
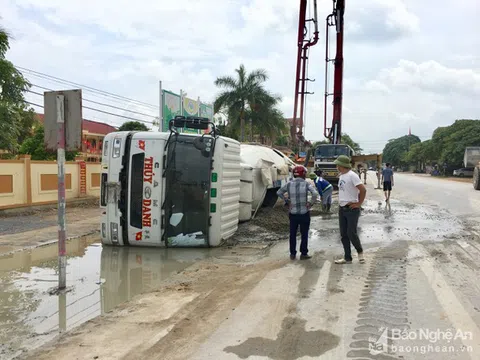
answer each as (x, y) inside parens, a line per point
(98, 280)
(459, 198)
(416, 297)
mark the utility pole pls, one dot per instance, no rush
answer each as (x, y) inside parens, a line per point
(63, 131)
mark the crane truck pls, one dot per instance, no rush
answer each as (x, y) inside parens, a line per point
(325, 154)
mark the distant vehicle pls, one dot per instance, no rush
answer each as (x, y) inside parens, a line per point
(472, 159)
(464, 172)
(325, 156)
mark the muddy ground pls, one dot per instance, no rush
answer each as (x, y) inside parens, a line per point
(247, 300)
(22, 220)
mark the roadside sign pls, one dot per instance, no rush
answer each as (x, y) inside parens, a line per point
(72, 109)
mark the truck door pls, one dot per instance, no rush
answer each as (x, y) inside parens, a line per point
(187, 191)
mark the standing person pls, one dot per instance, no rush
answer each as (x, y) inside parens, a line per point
(351, 196)
(325, 190)
(387, 180)
(299, 209)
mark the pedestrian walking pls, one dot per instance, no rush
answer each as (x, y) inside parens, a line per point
(299, 209)
(387, 180)
(351, 196)
(325, 190)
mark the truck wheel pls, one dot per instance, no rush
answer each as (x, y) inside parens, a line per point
(476, 178)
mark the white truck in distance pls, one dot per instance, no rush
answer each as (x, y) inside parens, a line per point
(471, 159)
(172, 189)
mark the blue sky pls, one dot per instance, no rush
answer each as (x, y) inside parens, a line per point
(407, 63)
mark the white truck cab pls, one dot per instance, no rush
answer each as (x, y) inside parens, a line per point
(170, 189)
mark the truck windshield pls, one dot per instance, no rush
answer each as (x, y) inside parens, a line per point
(331, 151)
(187, 193)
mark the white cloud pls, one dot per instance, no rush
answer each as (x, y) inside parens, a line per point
(380, 20)
(126, 47)
(433, 77)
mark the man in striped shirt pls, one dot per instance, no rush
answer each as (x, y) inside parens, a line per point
(299, 206)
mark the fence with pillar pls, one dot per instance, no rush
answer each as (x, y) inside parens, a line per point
(26, 182)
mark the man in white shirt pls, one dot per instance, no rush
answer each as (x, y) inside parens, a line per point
(351, 196)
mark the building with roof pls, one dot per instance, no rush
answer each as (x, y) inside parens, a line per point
(93, 133)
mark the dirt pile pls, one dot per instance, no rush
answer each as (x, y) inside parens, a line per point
(276, 219)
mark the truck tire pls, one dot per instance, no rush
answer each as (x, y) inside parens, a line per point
(476, 178)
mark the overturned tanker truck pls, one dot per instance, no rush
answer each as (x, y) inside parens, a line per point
(174, 189)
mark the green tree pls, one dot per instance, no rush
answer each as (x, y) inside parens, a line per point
(35, 146)
(267, 121)
(133, 126)
(282, 140)
(447, 145)
(421, 154)
(450, 141)
(395, 152)
(241, 94)
(16, 119)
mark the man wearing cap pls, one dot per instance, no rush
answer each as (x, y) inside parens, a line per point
(351, 196)
(299, 209)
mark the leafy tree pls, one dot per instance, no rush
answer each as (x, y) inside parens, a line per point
(268, 122)
(447, 145)
(16, 119)
(281, 140)
(133, 126)
(396, 150)
(450, 141)
(242, 94)
(421, 154)
(35, 146)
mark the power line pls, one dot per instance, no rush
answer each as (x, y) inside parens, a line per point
(96, 102)
(63, 81)
(101, 111)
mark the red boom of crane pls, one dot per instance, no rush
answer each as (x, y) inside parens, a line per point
(334, 132)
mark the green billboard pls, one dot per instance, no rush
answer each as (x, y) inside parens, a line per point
(174, 105)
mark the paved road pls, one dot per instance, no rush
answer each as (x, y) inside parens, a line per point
(252, 302)
(459, 198)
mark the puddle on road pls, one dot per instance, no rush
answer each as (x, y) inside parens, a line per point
(399, 221)
(100, 279)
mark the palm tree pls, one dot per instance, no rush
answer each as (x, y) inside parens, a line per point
(268, 121)
(241, 94)
(4, 44)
